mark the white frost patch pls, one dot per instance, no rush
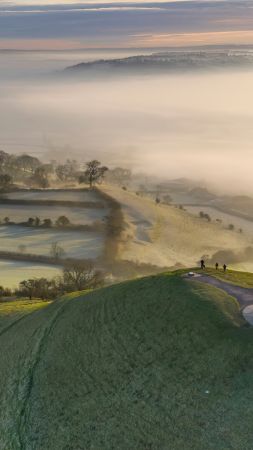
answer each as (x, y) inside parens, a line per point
(248, 314)
(76, 244)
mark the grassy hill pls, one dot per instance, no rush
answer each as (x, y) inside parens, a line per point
(243, 279)
(152, 364)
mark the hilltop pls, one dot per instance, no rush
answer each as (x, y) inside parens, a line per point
(154, 363)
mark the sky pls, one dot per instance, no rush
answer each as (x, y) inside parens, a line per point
(194, 125)
(67, 24)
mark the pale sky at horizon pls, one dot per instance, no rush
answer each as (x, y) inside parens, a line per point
(67, 24)
(67, 2)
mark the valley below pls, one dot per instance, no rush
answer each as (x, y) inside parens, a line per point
(144, 237)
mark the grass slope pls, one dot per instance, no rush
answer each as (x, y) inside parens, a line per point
(243, 279)
(13, 311)
(128, 367)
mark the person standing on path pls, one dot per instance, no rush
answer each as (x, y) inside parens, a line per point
(216, 266)
(202, 263)
(224, 267)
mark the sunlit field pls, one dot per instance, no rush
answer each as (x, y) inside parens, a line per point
(14, 310)
(226, 219)
(13, 272)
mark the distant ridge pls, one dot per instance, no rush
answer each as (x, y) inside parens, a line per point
(179, 60)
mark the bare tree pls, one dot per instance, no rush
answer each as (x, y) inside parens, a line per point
(28, 287)
(4, 160)
(56, 251)
(67, 171)
(5, 181)
(27, 163)
(81, 275)
(40, 177)
(37, 287)
(94, 173)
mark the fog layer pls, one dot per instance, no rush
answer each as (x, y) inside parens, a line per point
(186, 125)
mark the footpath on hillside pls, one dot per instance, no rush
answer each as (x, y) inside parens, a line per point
(244, 296)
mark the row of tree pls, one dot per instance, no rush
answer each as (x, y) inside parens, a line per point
(76, 276)
(61, 222)
(31, 171)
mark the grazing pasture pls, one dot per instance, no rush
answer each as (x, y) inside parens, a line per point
(155, 363)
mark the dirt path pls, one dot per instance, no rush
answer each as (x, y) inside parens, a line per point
(244, 296)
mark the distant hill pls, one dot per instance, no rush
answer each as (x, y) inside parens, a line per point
(169, 61)
(202, 194)
(155, 363)
(241, 205)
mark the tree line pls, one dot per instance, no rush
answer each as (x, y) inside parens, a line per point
(76, 276)
(30, 171)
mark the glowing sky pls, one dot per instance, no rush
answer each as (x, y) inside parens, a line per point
(60, 24)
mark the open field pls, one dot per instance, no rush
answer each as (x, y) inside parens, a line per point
(155, 363)
(165, 236)
(21, 213)
(13, 272)
(76, 244)
(13, 311)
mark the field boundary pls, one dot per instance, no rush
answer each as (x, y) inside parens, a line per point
(44, 259)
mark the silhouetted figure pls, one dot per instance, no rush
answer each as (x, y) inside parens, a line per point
(224, 267)
(202, 264)
(217, 266)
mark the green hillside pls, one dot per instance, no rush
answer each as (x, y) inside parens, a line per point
(154, 364)
(243, 279)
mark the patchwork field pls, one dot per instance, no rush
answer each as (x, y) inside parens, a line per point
(76, 244)
(152, 364)
(23, 240)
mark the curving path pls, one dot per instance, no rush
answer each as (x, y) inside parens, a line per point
(244, 296)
